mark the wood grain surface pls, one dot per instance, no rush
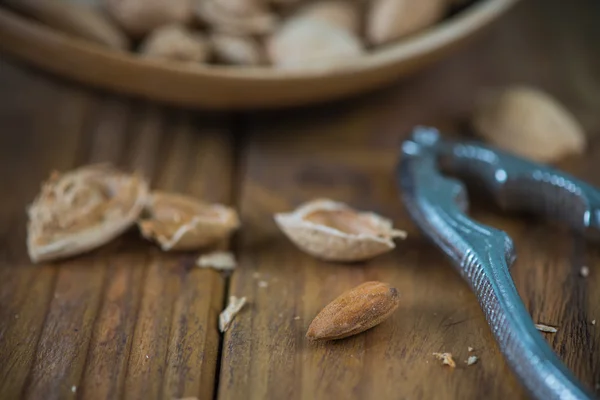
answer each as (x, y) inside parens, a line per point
(128, 321)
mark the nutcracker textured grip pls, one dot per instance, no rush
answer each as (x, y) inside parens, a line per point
(483, 254)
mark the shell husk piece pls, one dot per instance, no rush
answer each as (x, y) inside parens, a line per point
(310, 43)
(139, 17)
(332, 231)
(226, 317)
(175, 42)
(83, 209)
(219, 260)
(528, 122)
(178, 222)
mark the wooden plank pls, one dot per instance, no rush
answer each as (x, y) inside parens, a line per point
(348, 152)
(30, 147)
(84, 327)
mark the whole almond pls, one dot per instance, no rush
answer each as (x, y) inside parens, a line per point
(528, 122)
(81, 20)
(355, 311)
(389, 20)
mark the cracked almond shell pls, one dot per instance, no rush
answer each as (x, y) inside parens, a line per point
(175, 42)
(333, 231)
(81, 210)
(139, 17)
(178, 222)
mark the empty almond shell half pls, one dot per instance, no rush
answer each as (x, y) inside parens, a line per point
(178, 222)
(83, 209)
(333, 231)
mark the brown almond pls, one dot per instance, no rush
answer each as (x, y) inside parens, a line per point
(528, 122)
(389, 20)
(81, 20)
(355, 311)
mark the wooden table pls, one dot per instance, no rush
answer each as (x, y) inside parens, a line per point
(130, 321)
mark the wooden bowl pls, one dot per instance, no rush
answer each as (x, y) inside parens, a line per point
(221, 87)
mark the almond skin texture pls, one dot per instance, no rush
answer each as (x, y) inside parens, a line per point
(528, 122)
(355, 311)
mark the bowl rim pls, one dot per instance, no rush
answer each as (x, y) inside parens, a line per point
(417, 45)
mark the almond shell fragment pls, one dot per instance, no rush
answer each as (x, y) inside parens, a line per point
(178, 222)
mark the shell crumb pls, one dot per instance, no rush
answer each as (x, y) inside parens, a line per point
(472, 360)
(73, 389)
(584, 271)
(219, 260)
(593, 322)
(470, 349)
(446, 359)
(229, 313)
(546, 328)
(263, 284)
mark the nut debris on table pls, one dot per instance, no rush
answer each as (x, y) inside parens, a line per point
(219, 260)
(446, 359)
(228, 314)
(546, 328)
